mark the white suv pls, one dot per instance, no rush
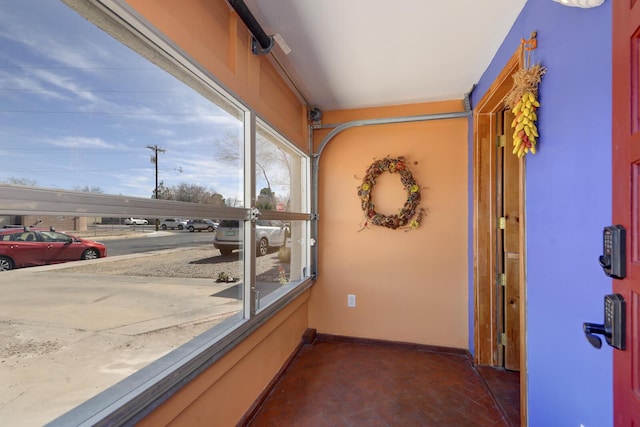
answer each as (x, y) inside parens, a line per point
(135, 221)
(173, 223)
(269, 234)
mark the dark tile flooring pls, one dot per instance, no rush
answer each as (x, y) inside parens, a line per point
(347, 383)
(505, 387)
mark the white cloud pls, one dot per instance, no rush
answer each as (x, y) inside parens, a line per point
(88, 106)
(81, 142)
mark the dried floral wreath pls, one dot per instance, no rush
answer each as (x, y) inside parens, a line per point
(410, 208)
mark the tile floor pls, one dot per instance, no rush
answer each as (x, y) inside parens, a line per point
(505, 387)
(348, 383)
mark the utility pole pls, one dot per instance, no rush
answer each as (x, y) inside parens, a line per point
(154, 160)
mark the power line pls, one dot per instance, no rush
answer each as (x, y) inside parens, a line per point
(89, 91)
(52, 67)
(97, 113)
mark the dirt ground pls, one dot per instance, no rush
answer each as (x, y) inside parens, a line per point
(70, 331)
(202, 262)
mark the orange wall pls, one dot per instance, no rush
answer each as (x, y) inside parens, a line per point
(410, 286)
(224, 392)
(212, 34)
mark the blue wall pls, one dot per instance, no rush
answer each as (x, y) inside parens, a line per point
(568, 201)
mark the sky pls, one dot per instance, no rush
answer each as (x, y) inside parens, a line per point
(78, 109)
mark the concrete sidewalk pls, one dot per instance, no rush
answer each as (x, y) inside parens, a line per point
(64, 337)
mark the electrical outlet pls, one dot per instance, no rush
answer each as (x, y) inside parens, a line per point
(351, 300)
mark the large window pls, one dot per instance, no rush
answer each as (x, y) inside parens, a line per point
(130, 195)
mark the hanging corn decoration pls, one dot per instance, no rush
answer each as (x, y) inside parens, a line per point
(523, 102)
(524, 125)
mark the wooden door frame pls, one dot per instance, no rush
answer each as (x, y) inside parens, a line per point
(485, 225)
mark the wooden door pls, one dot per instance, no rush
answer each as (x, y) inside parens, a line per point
(485, 135)
(626, 201)
(508, 244)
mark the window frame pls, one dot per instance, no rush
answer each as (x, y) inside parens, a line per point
(134, 397)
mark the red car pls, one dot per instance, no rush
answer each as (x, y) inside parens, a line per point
(27, 247)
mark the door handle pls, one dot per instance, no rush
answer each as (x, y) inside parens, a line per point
(613, 328)
(590, 331)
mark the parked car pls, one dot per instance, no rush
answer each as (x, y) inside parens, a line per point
(135, 221)
(173, 223)
(201, 224)
(269, 234)
(27, 247)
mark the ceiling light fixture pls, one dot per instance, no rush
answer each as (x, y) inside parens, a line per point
(581, 3)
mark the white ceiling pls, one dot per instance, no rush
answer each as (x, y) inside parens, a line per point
(362, 53)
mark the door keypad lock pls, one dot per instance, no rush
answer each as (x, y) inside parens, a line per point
(613, 328)
(613, 259)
